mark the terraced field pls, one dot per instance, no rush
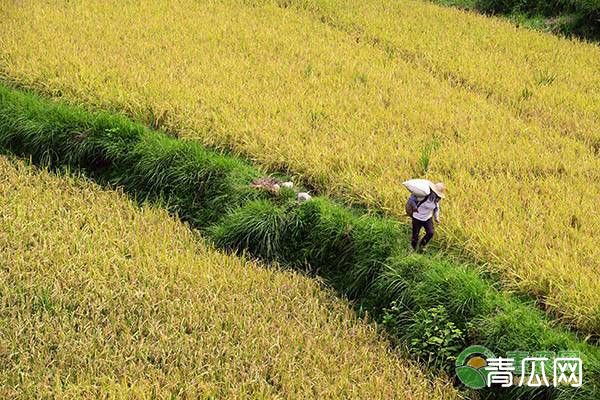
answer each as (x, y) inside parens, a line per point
(430, 305)
(102, 299)
(354, 97)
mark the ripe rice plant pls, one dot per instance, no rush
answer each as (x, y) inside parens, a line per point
(348, 109)
(102, 299)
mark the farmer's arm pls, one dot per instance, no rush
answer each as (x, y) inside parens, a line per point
(412, 201)
(436, 213)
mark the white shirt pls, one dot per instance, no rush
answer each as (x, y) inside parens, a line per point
(427, 209)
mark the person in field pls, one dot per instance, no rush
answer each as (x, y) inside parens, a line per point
(424, 211)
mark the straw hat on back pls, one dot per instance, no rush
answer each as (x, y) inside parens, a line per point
(439, 189)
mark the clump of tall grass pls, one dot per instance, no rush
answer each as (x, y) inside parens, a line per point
(198, 184)
(349, 249)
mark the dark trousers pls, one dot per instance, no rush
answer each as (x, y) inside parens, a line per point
(416, 230)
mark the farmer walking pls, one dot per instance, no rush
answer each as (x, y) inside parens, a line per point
(423, 211)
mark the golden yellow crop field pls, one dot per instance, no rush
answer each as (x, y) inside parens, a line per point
(541, 78)
(354, 117)
(102, 299)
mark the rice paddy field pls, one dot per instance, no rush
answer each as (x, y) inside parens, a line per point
(430, 306)
(104, 299)
(126, 294)
(354, 97)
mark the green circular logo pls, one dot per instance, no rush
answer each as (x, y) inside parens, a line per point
(470, 366)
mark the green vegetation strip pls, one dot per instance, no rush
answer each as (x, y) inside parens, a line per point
(435, 307)
(567, 17)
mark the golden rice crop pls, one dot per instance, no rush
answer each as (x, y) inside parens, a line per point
(542, 78)
(349, 115)
(101, 299)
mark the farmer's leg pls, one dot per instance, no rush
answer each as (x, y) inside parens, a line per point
(429, 231)
(416, 229)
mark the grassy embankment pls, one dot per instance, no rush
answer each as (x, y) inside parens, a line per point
(570, 18)
(364, 257)
(102, 299)
(355, 97)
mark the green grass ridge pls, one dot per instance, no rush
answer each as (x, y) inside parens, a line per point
(363, 256)
(579, 18)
